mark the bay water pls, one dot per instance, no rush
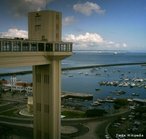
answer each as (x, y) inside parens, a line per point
(88, 80)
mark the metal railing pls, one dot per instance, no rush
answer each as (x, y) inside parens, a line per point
(21, 45)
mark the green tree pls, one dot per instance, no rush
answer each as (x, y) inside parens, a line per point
(95, 112)
(118, 103)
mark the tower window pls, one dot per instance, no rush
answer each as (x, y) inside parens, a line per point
(37, 22)
(37, 19)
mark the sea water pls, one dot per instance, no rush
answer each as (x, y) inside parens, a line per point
(87, 80)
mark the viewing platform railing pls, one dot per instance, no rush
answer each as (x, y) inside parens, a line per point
(25, 45)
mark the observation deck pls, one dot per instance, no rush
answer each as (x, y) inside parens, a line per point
(25, 52)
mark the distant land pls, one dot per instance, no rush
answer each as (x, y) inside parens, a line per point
(111, 51)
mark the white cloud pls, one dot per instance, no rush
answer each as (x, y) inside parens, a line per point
(92, 41)
(117, 45)
(14, 32)
(124, 45)
(110, 42)
(88, 8)
(84, 41)
(68, 20)
(85, 38)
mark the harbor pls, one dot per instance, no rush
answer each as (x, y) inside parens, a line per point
(135, 82)
(93, 84)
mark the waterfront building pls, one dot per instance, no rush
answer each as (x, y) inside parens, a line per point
(13, 81)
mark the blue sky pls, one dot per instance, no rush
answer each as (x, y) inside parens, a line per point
(89, 24)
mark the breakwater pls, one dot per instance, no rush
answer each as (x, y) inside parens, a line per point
(16, 73)
(75, 68)
(103, 65)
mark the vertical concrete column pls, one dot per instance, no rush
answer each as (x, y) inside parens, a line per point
(21, 49)
(47, 100)
(29, 44)
(55, 100)
(12, 49)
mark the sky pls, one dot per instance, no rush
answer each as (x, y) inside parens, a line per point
(89, 24)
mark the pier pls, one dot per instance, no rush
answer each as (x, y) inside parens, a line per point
(140, 100)
(77, 95)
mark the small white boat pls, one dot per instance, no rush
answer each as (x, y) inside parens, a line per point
(96, 103)
(132, 85)
(86, 73)
(135, 94)
(115, 53)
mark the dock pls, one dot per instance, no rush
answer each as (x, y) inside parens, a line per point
(85, 96)
(139, 100)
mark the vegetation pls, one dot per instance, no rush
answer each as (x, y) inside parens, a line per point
(95, 112)
(81, 114)
(118, 103)
(73, 114)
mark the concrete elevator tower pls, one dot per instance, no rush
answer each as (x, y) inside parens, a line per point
(46, 26)
(43, 50)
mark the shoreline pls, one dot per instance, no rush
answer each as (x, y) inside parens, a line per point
(75, 68)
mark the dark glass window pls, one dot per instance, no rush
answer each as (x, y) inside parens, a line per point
(33, 46)
(40, 46)
(25, 46)
(17, 46)
(49, 47)
(6, 46)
